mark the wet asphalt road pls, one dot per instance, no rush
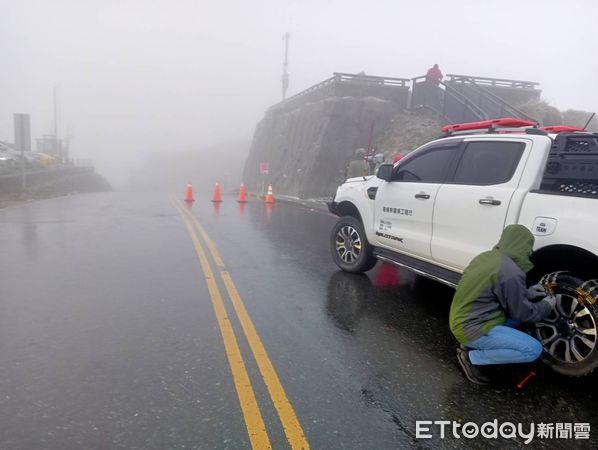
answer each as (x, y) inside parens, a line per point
(108, 337)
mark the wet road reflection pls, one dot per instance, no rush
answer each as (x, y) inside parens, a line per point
(396, 342)
(115, 321)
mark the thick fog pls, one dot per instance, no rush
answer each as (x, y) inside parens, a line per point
(136, 78)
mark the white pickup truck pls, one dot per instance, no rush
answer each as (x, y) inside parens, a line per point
(450, 199)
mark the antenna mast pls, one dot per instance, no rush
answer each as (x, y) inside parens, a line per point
(285, 74)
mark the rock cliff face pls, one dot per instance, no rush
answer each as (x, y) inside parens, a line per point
(407, 131)
(309, 148)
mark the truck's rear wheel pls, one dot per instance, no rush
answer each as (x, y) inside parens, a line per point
(349, 246)
(569, 333)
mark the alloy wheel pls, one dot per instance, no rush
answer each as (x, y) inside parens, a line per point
(348, 244)
(568, 334)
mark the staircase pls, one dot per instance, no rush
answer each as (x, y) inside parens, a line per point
(467, 99)
(447, 102)
(478, 90)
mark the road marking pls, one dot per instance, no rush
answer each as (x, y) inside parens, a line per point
(251, 412)
(286, 413)
(290, 423)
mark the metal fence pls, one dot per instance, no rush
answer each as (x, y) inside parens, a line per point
(461, 98)
(493, 82)
(346, 84)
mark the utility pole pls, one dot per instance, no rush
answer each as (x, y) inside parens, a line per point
(285, 74)
(67, 144)
(56, 149)
(22, 141)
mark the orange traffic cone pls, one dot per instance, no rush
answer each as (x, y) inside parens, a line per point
(217, 197)
(270, 195)
(242, 194)
(189, 195)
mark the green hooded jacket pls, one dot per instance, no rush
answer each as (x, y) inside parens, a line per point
(493, 288)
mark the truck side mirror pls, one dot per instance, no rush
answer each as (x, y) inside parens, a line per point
(385, 172)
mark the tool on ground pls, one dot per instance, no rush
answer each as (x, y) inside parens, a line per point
(242, 194)
(217, 196)
(189, 194)
(528, 377)
(270, 195)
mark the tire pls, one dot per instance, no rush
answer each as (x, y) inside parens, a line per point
(569, 334)
(349, 247)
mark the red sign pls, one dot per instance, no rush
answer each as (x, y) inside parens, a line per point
(264, 168)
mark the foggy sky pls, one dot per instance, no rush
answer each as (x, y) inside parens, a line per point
(161, 76)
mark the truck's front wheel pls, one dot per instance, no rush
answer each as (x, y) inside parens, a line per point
(569, 333)
(349, 246)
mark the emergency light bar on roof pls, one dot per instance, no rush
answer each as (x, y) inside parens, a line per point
(507, 122)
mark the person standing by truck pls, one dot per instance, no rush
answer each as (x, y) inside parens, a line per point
(491, 299)
(358, 167)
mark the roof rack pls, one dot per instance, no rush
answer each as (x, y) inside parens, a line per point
(572, 166)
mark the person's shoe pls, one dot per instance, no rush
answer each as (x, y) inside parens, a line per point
(472, 372)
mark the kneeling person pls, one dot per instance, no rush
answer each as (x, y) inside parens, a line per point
(491, 299)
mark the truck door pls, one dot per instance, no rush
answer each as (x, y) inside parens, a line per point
(405, 205)
(471, 208)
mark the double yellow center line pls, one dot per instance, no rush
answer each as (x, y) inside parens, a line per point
(254, 422)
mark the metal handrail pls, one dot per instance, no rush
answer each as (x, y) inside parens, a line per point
(505, 106)
(386, 81)
(455, 93)
(310, 89)
(480, 83)
(341, 77)
(452, 92)
(495, 82)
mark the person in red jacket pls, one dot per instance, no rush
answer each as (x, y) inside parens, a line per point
(434, 75)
